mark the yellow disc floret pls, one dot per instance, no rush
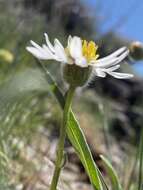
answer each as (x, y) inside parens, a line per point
(89, 50)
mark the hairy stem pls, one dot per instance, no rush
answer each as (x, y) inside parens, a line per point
(60, 148)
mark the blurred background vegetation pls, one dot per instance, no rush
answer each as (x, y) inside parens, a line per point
(110, 111)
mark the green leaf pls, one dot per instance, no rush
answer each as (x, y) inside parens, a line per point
(78, 141)
(112, 174)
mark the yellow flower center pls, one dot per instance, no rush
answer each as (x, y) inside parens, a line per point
(89, 50)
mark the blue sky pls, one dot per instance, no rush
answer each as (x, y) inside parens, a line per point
(130, 14)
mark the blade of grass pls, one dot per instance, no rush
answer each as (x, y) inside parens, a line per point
(140, 178)
(128, 178)
(102, 180)
(103, 107)
(112, 174)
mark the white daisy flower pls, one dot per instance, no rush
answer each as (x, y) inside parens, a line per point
(83, 54)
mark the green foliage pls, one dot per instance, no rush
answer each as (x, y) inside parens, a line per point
(19, 86)
(140, 179)
(78, 140)
(25, 83)
(111, 173)
(19, 94)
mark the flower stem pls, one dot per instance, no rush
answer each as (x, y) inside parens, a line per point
(60, 148)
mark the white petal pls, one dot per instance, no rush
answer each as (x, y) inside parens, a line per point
(115, 54)
(82, 62)
(103, 64)
(118, 52)
(111, 61)
(110, 69)
(121, 75)
(75, 47)
(59, 51)
(44, 51)
(123, 55)
(51, 47)
(38, 54)
(35, 45)
(100, 73)
(69, 40)
(48, 52)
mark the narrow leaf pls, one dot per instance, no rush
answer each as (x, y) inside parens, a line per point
(140, 178)
(112, 174)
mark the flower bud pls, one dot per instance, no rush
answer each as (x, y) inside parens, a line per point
(136, 50)
(75, 75)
